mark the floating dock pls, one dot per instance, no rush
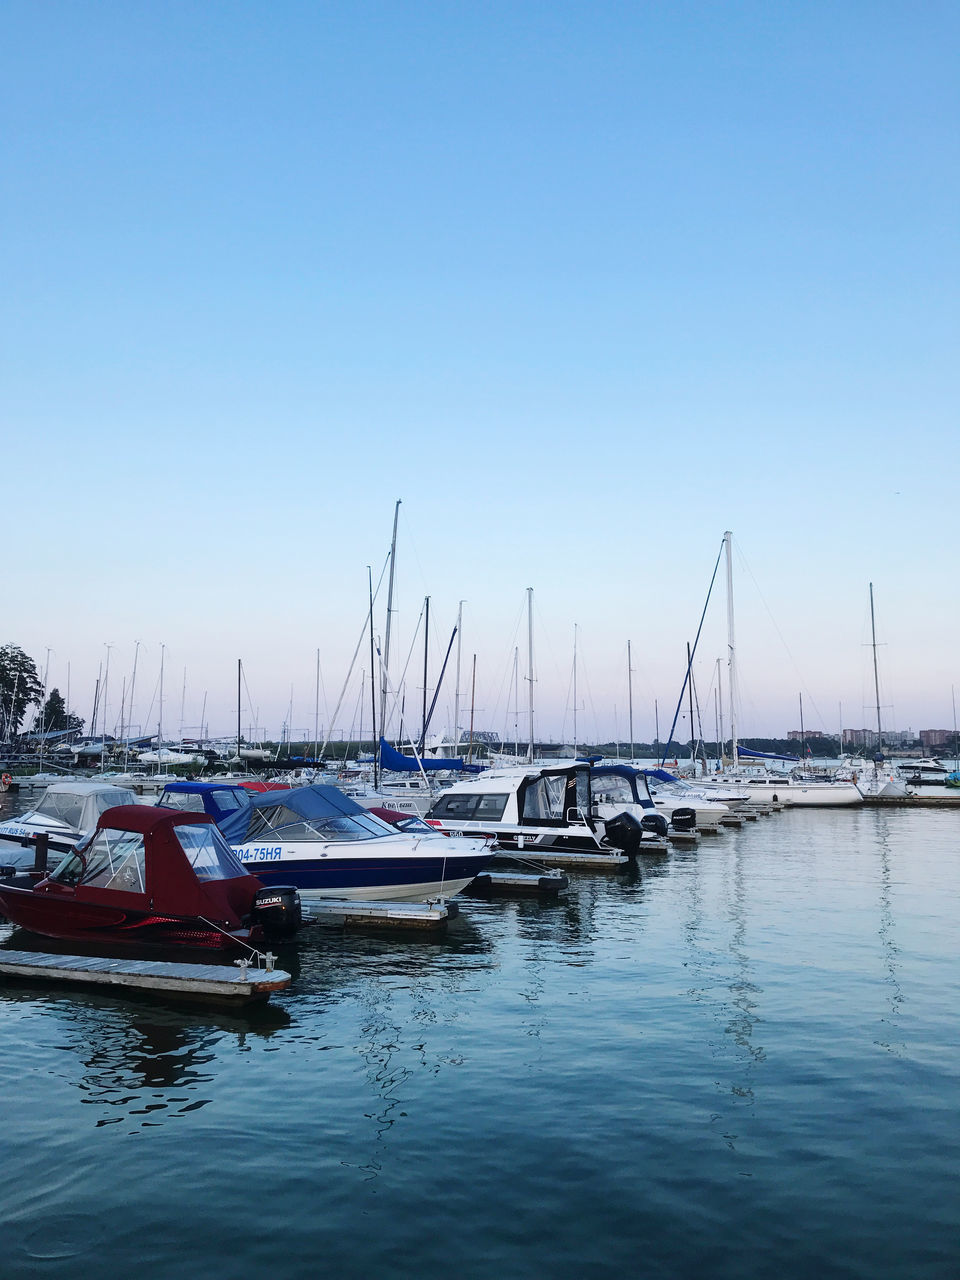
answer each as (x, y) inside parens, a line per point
(240, 984)
(423, 916)
(584, 861)
(684, 837)
(732, 820)
(517, 882)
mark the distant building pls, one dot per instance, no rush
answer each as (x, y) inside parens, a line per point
(859, 737)
(932, 738)
(807, 736)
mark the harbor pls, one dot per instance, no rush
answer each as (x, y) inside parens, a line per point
(761, 1022)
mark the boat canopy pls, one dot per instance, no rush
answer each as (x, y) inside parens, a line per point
(765, 755)
(617, 770)
(227, 805)
(391, 758)
(661, 775)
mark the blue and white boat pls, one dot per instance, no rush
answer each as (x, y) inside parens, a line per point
(328, 846)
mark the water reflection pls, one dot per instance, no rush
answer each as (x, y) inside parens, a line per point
(148, 1064)
(890, 952)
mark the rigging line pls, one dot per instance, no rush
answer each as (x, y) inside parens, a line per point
(353, 660)
(799, 674)
(507, 672)
(683, 689)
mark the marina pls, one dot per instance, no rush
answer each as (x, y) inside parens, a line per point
(768, 1017)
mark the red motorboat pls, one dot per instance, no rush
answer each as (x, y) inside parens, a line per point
(152, 876)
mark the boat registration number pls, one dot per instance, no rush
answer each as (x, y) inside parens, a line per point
(261, 853)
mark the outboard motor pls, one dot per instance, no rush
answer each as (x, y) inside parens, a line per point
(277, 909)
(624, 832)
(684, 819)
(655, 823)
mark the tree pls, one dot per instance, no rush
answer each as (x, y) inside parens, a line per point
(20, 687)
(55, 717)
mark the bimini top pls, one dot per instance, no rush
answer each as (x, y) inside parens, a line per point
(661, 775)
(390, 758)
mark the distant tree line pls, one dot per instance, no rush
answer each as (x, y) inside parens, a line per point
(22, 688)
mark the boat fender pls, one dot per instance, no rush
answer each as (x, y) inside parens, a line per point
(5, 781)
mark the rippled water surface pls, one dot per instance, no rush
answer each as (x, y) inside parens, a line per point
(742, 1061)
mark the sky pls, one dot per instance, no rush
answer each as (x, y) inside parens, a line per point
(583, 285)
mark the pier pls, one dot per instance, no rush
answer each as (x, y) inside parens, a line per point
(241, 984)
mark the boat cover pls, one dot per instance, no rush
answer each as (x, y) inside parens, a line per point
(661, 775)
(390, 758)
(317, 801)
(230, 821)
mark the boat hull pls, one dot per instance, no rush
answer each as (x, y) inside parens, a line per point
(377, 875)
(89, 922)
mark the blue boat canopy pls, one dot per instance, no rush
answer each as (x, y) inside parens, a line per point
(391, 758)
(661, 775)
(618, 770)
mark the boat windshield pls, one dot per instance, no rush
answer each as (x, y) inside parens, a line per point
(611, 788)
(208, 853)
(185, 801)
(107, 860)
(65, 806)
(286, 824)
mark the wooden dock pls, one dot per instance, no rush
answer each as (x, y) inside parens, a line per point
(422, 916)
(491, 883)
(236, 984)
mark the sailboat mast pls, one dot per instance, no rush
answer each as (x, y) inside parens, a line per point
(516, 701)
(239, 700)
(530, 665)
(693, 745)
(720, 715)
(373, 687)
(133, 685)
(630, 695)
(731, 649)
(163, 649)
(803, 741)
(426, 654)
(574, 688)
(876, 675)
(473, 703)
(386, 631)
(456, 692)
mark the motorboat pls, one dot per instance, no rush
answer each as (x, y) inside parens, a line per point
(925, 773)
(64, 812)
(329, 846)
(669, 792)
(151, 876)
(578, 807)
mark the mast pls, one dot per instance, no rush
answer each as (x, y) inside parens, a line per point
(720, 715)
(456, 692)
(473, 702)
(574, 688)
(239, 681)
(876, 676)
(956, 740)
(43, 706)
(516, 702)
(656, 730)
(386, 631)
(316, 715)
(731, 650)
(159, 710)
(690, 703)
(630, 696)
(103, 718)
(803, 741)
(373, 687)
(133, 685)
(426, 654)
(530, 665)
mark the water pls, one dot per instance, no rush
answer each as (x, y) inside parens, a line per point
(742, 1062)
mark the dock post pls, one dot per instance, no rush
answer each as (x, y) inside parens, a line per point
(40, 856)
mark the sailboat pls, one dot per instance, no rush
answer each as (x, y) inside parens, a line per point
(751, 771)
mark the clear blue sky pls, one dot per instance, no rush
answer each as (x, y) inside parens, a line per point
(584, 284)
